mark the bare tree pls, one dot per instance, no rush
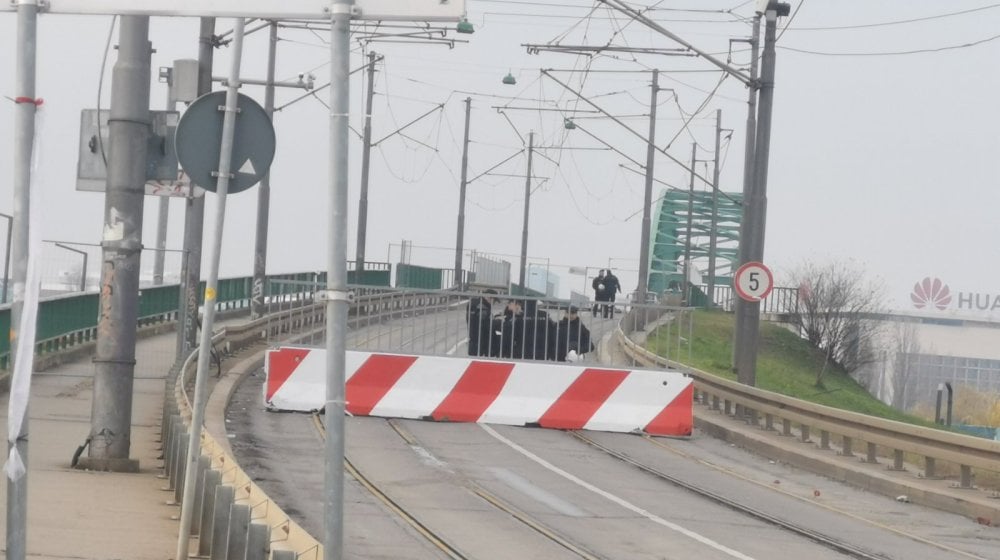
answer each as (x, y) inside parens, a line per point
(838, 313)
(907, 346)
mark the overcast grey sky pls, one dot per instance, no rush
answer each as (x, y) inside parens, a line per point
(887, 159)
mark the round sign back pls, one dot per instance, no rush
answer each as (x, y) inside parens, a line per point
(199, 138)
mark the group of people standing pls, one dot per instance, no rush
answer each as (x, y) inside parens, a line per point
(606, 288)
(522, 331)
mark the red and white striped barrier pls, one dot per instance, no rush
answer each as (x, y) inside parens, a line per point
(449, 389)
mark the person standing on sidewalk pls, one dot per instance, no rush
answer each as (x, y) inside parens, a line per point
(599, 291)
(612, 287)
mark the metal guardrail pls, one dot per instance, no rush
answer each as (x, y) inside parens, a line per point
(67, 323)
(781, 301)
(851, 427)
(229, 507)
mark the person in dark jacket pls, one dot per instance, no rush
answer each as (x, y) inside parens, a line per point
(510, 327)
(612, 287)
(480, 318)
(539, 333)
(572, 337)
(599, 291)
(527, 333)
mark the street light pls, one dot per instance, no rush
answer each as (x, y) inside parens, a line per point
(83, 272)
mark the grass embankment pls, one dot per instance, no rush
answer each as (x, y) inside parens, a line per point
(786, 364)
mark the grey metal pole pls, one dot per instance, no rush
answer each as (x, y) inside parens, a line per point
(337, 296)
(162, 215)
(460, 237)
(163, 209)
(687, 236)
(212, 284)
(359, 254)
(24, 136)
(748, 332)
(713, 241)
(647, 201)
(6, 260)
(114, 359)
(257, 309)
(527, 207)
(751, 134)
(739, 312)
(194, 216)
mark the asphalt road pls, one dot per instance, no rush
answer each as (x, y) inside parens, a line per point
(576, 501)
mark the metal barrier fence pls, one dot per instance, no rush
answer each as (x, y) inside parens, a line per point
(444, 322)
(231, 516)
(67, 324)
(780, 301)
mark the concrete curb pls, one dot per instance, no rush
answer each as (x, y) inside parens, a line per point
(940, 494)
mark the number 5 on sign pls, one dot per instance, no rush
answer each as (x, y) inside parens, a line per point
(753, 281)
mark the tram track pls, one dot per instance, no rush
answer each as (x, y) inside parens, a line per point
(452, 550)
(881, 526)
(833, 543)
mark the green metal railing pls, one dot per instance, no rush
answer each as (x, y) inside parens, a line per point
(69, 320)
(422, 277)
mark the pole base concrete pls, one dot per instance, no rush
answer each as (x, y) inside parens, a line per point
(109, 465)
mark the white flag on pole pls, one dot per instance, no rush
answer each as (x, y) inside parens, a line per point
(28, 293)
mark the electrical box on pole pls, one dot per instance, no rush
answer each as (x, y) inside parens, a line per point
(162, 175)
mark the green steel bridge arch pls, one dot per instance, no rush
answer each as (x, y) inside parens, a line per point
(669, 237)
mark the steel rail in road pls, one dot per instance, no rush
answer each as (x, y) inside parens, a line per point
(658, 442)
(437, 540)
(833, 543)
(933, 445)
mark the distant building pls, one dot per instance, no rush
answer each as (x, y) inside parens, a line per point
(540, 279)
(919, 352)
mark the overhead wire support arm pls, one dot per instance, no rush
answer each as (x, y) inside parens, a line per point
(614, 149)
(590, 50)
(320, 88)
(407, 125)
(625, 126)
(519, 152)
(638, 16)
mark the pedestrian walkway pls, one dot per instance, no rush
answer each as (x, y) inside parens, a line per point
(96, 515)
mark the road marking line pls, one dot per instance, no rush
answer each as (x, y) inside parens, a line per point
(623, 503)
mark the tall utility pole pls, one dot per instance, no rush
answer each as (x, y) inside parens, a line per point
(24, 135)
(747, 328)
(129, 125)
(527, 206)
(460, 238)
(647, 224)
(359, 254)
(194, 215)
(687, 237)
(257, 309)
(751, 134)
(336, 295)
(713, 241)
(163, 204)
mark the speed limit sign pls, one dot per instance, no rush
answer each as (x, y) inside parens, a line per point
(753, 281)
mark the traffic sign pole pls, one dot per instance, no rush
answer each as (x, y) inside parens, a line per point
(211, 287)
(747, 327)
(337, 297)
